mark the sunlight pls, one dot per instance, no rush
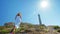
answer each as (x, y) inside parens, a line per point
(44, 4)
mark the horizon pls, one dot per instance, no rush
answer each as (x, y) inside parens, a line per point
(30, 10)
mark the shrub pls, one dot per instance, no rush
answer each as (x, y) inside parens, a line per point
(58, 31)
(56, 27)
(22, 28)
(5, 31)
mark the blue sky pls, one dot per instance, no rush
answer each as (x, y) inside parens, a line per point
(30, 10)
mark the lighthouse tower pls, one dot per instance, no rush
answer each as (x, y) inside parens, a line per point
(40, 23)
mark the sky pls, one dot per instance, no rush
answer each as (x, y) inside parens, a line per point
(29, 10)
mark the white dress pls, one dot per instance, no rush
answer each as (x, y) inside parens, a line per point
(18, 21)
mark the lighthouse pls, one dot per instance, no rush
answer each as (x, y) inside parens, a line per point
(40, 23)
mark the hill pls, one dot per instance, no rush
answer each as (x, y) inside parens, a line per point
(30, 28)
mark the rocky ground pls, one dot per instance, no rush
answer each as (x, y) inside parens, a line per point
(26, 28)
